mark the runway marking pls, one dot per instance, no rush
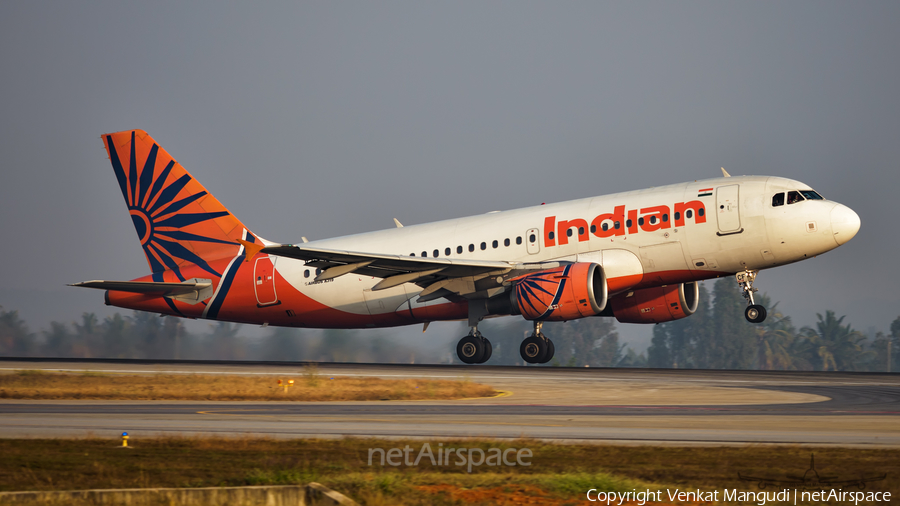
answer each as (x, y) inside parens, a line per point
(379, 420)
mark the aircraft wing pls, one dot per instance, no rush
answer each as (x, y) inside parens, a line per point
(437, 275)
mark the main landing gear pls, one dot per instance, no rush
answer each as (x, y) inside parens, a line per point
(476, 349)
(754, 313)
(537, 348)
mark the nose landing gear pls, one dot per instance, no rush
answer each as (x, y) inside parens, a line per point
(537, 348)
(754, 313)
(474, 348)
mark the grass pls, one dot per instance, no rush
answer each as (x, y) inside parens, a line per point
(559, 474)
(308, 385)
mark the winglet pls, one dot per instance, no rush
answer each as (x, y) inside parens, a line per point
(250, 249)
(725, 173)
(397, 222)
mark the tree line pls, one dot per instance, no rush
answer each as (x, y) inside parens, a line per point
(716, 337)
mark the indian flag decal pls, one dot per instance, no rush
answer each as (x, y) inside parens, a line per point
(706, 192)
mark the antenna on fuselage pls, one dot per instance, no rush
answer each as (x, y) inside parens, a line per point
(725, 173)
(397, 222)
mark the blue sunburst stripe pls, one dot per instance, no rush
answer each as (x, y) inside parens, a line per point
(177, 206)
(559, 293)
(168, 260)
(177, 250)
(158, 277)
(212, 311)
(183, 220)
(528, 301)
(159, 183)
(171, 191)
(147, 175)
(178, 235)
(155, 266)
(117, 167)
(132, 173)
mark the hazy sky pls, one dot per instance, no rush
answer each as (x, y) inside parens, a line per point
(331, 118)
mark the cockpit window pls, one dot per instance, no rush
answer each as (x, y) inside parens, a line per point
(794, 197)
(811, 195)
(778, 200)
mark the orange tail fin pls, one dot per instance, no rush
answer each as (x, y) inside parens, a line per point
(178, 222)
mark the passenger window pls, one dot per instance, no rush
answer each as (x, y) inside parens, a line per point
(550, 236)
(794, 197)
(665, 218)
(811, 195)
(653, 220)
(506, 242)
(580, 230)
(569, 232)
(778, 199)
(471, 248)
(701, 211)
(641, 221)
(593, 228)
(677, 215)
(689, 214)
(447, 251)
(519, 240)
(459, 249)
(483, 246)
(617, 225)
(436, 253)
(604, 227)
(532, 238)
(495, 244)
(628, 223)
(424, 253)
(306, 273)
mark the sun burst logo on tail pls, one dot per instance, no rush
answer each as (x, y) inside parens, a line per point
(176, 219)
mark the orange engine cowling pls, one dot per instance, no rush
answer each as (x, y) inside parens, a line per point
(568, 292)
(656, 305)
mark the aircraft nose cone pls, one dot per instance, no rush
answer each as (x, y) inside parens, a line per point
(844, 223)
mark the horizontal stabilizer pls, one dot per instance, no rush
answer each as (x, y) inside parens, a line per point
(191, 291)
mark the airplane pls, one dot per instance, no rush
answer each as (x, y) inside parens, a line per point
(636, 256)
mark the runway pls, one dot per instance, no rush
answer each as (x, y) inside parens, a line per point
(630, 406)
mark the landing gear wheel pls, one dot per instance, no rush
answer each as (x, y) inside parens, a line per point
(548, 355)
(532, 349)
(470, 349)
(488, 349)
(537, 350)
(755, 313)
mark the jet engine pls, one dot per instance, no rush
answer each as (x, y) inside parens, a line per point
(656, 305)
(567, 292)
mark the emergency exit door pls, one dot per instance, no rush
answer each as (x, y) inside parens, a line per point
(728, 211)
(264, 281)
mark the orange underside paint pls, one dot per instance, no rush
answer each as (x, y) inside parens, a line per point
(295, 309)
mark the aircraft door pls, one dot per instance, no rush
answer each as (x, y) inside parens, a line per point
(533, 241)
(728, 214)
(264, 281)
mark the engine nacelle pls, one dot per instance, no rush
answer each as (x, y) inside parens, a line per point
(565, 293)
(656, 305)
